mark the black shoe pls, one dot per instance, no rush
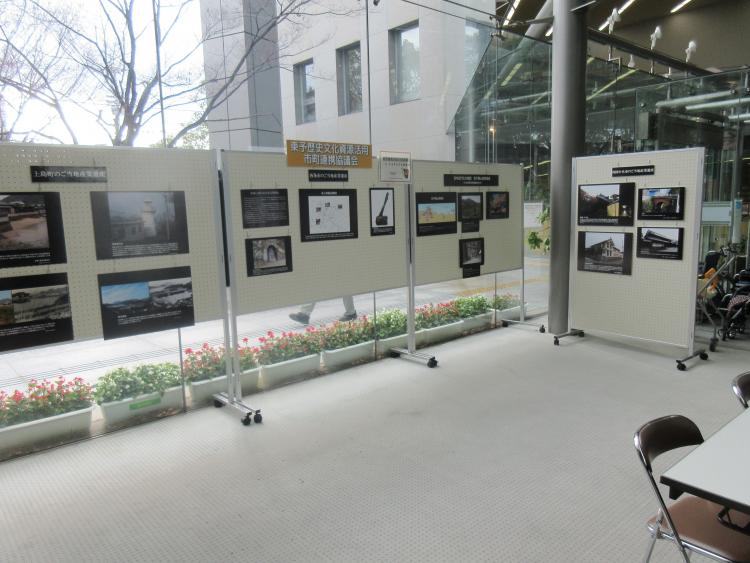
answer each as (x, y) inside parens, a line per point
(348, 317)
(301, 318)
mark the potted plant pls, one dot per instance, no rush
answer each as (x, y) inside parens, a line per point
(287, 357)
(345, 343)
(475, 312)
(508, 306)
(48, 412)
(124, 393)
(390, 330)
(437, 323)
(205, 372)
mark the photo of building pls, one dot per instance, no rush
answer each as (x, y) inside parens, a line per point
(607, 253)
(141, 217)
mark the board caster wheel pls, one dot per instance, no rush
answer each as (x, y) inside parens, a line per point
(703, 356)
(680, 366)
(393, 354)
(431, 363)
(557, 341)
(246, 420)
(258, 418)
(581, 334)
(504, 324)
(218, 404)
(712, 346)
(542, 329)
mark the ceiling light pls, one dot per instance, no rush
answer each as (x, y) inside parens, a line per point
(511, 74)
(549, 31)
(510, 12)
(620, 10)
(680, 6)
(607, 86)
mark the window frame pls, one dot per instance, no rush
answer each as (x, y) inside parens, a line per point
(344, 78)
(301, 100)
(396, 63)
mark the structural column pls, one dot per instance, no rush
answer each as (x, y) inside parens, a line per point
(568, 130)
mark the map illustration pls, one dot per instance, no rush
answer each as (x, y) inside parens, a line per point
(329, 214)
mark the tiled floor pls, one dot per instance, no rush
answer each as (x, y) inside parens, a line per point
(511, 450)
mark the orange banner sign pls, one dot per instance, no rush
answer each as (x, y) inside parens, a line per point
(311, 154)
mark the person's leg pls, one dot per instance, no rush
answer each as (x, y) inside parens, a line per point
(350, 313)
(303, 315)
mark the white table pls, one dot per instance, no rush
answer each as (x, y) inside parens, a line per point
(718, 469)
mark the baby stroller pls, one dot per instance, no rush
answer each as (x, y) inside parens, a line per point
(736, 307)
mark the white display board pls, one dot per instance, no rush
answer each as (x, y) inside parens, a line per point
(166, 172)
(326, 269)
(656, 301)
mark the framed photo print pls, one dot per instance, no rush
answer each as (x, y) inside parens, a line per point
(269, 255)
(660, 243)
(31, 229)
(661, 204)
(470, 206)
(470, 252)
(605, 252)
(328, 214)
(382, 216)
(436, 213)
(606, 204)
(498, 205)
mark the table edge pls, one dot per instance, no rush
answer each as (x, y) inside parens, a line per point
(702, 493)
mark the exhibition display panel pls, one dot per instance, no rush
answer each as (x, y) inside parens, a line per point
(634, 256)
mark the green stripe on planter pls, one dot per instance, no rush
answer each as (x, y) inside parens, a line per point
(145, 403)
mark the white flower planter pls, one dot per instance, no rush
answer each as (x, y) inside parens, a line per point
(512, 314)
(58, 428)
(249, 379)
(202, 392)
(342, 357)
(384, 345)
(117, 412)
(275, 375)
(428, 336)
(479, 322)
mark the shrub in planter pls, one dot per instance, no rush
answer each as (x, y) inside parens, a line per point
(43, 399)
(208, 362)
(344, 334)
(471, 306)
(123, 383)
(287, 346)
(505, 301)
(391, 322)
(429, 316)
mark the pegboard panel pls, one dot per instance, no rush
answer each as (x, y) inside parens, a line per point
(657, 301)
(128, 169)
(320, 269)
(438, 255)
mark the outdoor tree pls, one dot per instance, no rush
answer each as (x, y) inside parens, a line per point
(109, 59)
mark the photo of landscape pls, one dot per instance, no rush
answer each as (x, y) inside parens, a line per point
(23, 222)
(6, 308)
(40, 303)
(470, 206)
(429, 212)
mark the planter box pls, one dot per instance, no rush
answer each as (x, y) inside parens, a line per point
(201, 392)
(428, 336)
(343, 357)
(58, 428)
(512, 314)
(480, 322)
(275, 375)
(117, 412)
(392, 342)
(249, 379)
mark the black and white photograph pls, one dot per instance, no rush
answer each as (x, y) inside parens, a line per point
(31, 231)
(661, 204)
(146, 301)
(660, 243)
(436, 213)
(382, 219)
(606, 204)
(269, 255)
(134, 224)
(264, 208)
(471, 252)
(328, 214)
(498, 205)
(606, 253)
(34, 310)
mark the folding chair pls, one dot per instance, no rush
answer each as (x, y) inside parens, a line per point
(692, 523)
(741, 388)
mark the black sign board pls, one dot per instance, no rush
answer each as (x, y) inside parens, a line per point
(471, 271)
(471, 180)
(647, 170)
(328, 175)
(264, 208)
(68, 174)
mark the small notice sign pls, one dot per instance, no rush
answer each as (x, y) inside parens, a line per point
(338, 155)
(328, 175)
(620, 171)
(68, 174)
(264, 208)
(471, 180)
(394, 166)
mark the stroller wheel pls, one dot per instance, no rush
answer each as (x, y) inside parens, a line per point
(732, 334)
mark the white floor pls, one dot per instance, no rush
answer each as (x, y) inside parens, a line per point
(511, 450)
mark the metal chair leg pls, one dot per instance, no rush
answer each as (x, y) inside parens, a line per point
(654, 535)
(650, 548)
